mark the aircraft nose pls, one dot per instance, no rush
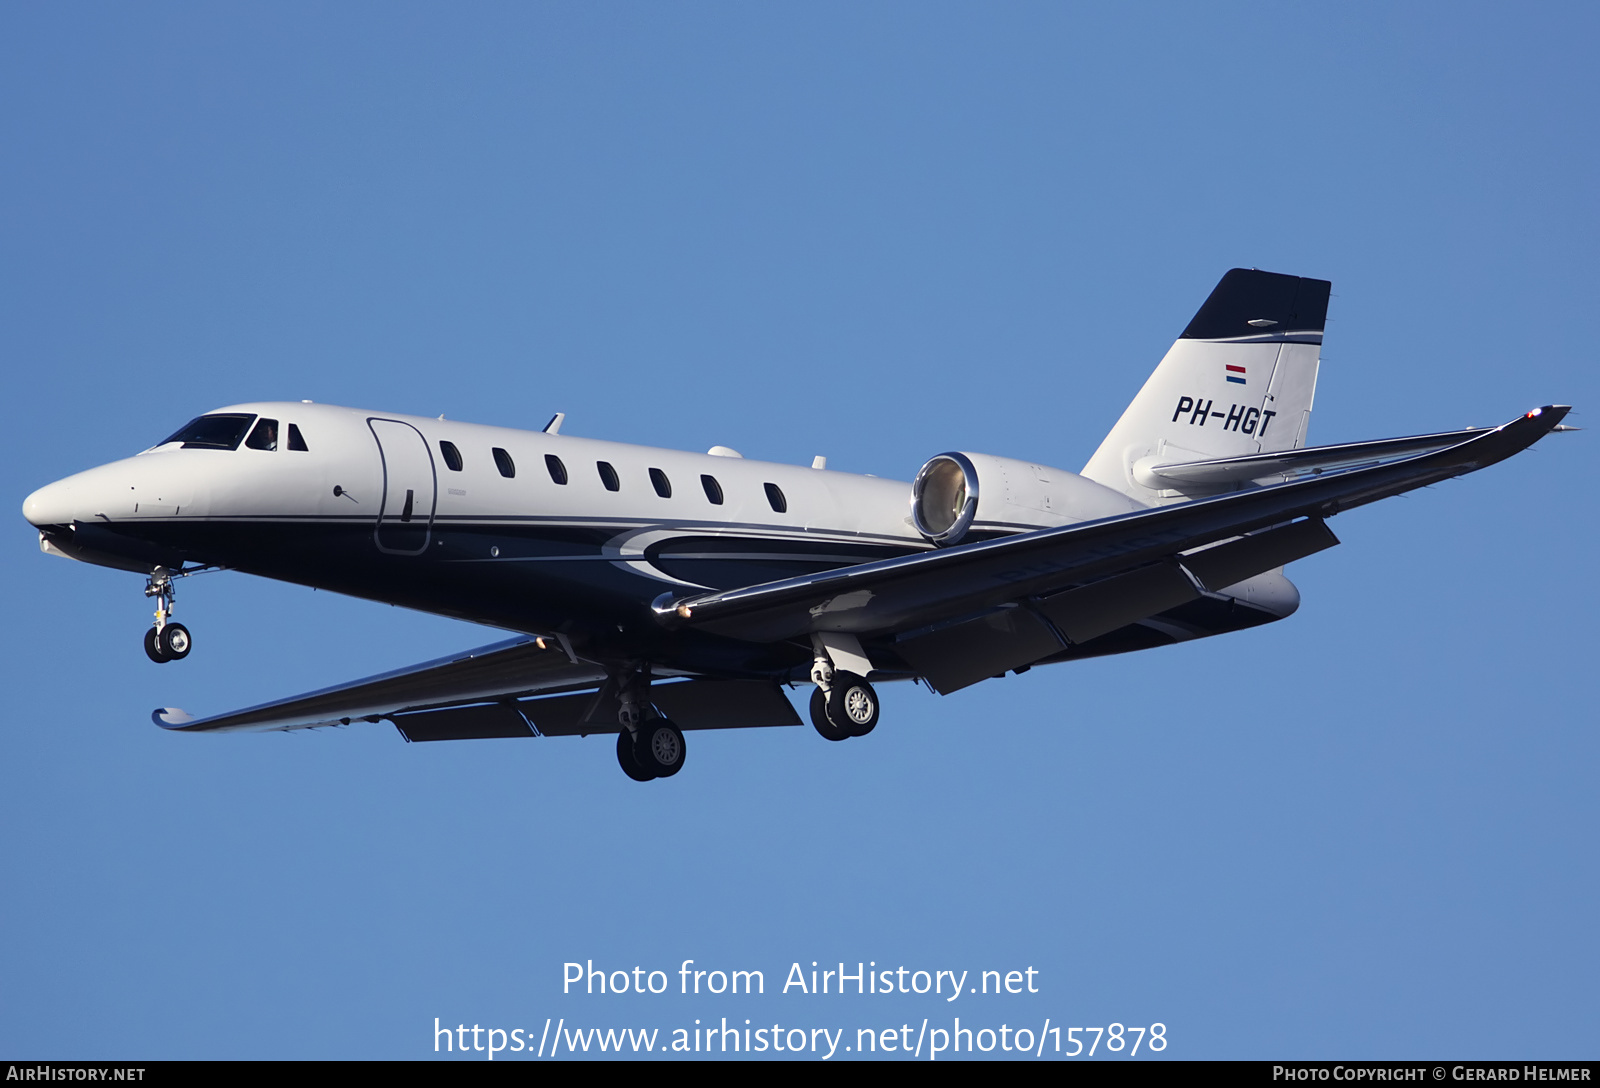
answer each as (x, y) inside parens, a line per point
(50, 505)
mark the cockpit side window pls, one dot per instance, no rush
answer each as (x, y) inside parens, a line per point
(265, 436)
(295, 441)
(223, 431)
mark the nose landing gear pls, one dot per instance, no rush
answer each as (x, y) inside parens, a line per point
(165, 641)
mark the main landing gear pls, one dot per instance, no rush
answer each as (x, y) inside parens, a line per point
(655, 750)
(166, 641)
(648, 746)
(843, 705)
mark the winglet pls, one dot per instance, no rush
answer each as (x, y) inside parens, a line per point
(170, 717)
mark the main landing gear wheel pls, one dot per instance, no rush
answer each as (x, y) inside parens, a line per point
(174, 642)
(630, 765)
(853, 704)
(659, 748)
(819, 718)
(656, 751)
(152, 647)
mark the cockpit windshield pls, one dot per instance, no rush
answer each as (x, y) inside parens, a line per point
(265, 436)
(219, 432)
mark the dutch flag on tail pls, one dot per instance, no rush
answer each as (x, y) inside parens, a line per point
(1236, 374)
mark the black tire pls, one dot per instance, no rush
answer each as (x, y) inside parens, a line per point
(853, 704)
(625, 756)
(819, 718)
(660, 747)
(176, 641)
(152, 647)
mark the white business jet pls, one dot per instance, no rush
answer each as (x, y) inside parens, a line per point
(660, 591)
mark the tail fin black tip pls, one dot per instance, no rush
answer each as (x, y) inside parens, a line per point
(1264, 306)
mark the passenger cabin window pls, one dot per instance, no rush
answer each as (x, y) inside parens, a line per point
(713, 489)
(452, 457)
(295, 441)
(608, 476)
(558, 471)
(776, 500)
(219, 432)
(659, 481)
(502, 461)
(265, 436)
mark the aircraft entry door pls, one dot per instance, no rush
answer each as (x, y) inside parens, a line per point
(405, 518)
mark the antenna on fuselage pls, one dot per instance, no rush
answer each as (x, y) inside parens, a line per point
(554, 426)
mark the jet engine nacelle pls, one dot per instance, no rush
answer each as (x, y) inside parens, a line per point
(972, 496)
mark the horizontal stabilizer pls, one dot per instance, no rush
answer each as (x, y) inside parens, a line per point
(1232, 472)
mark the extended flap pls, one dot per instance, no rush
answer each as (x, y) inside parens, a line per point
(1235, 560)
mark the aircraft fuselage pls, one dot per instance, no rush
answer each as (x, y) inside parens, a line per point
(528, 531)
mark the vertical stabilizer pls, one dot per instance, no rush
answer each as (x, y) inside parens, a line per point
(1239, 380)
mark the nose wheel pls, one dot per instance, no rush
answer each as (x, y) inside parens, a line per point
(171, 643)
(165, 641)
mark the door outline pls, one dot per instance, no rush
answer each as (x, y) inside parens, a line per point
(433, 505)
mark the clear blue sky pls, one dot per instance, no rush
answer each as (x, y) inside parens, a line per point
(877, 232)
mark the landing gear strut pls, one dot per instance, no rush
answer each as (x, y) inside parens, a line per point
(166, 641)
(648, 745)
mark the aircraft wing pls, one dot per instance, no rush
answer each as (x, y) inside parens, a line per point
(490, 692)
(502, 671)
(1094, 569)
